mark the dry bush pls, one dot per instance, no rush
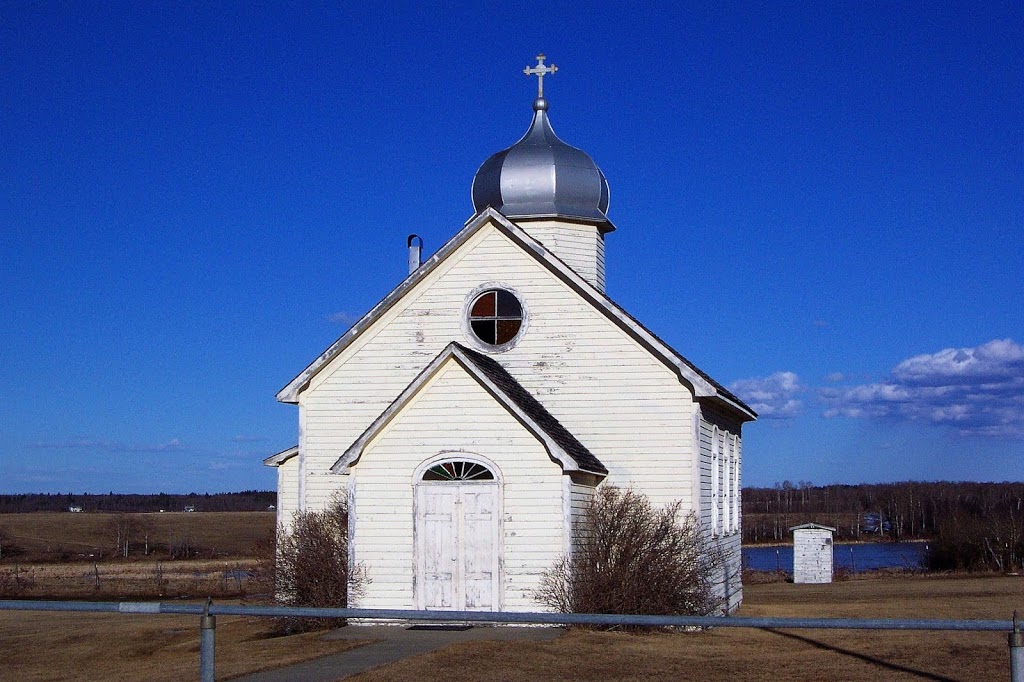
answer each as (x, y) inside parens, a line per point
(312, 565)
(264, 569)
(965, 542)
(631, 558)
(16, 581)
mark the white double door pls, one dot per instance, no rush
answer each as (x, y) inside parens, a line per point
(457, 546)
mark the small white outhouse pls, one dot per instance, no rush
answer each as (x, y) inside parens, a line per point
(812, 553)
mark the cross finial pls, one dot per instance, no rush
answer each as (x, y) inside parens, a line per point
(540, 71)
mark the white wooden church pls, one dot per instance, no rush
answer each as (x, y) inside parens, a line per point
(472, 413)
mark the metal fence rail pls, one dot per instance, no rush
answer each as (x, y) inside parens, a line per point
(209, 611)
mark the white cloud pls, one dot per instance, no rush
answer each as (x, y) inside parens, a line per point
(173, 445)
(973, 391)
(835, 377)
(242, 438)
(772, 397)
(343, 317)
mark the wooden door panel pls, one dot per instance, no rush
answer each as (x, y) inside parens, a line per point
(457, 543)
(438, 551)
(477, 546)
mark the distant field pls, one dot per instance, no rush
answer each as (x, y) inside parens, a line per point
(43, 537)
(137, 580)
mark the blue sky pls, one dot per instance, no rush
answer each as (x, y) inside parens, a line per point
(820, 204)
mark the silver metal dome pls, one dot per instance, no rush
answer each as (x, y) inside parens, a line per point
(542, 177)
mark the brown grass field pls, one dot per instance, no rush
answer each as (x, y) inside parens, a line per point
(136, 580)
(72, 556)
(84, 537)
(55, 646)
(744, 654)
(45, 646)
(70, 646)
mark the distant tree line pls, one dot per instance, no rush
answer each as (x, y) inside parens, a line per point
(969, 526)
(247, 500)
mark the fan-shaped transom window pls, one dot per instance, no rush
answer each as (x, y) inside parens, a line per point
(458, 470)
(496, 317)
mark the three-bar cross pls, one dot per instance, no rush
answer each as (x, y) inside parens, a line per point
(540, 71)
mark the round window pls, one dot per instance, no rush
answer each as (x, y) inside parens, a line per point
(496, 317)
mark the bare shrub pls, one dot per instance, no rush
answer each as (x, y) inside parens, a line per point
(16, 581)
(312, 566)
(122, 526)
(160, 581)
(967, 542)
(631, 558)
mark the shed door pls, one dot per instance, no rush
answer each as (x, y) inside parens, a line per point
(456, 532)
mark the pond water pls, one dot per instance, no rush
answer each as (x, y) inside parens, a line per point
(850, 557)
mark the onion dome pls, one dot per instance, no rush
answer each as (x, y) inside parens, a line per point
(542, 177)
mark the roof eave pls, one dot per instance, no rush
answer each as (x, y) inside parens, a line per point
(602, 222)
(281, 457)
(735, 405)
(290, 393)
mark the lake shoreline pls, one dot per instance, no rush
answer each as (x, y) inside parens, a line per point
(843, 542)
(853, 557)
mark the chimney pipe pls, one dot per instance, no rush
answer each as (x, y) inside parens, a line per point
(414, 251)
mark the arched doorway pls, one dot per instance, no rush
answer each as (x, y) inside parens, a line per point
(457, 535)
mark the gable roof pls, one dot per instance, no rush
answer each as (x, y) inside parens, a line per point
(562, 446)
(811, 526)
(702, 385)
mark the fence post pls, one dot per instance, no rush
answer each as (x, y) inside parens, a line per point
(1016, 652)
(207, 629)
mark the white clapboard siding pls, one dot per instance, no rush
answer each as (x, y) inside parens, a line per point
(532, 532)
(287, 490)
(590, 374)
(726, 541)
(579, 246)
(580, 497)
(729, 581)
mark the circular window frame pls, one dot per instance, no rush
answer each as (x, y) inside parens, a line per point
(467, 328)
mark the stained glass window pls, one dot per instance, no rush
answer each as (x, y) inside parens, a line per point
(496, 317)
(458, 471)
